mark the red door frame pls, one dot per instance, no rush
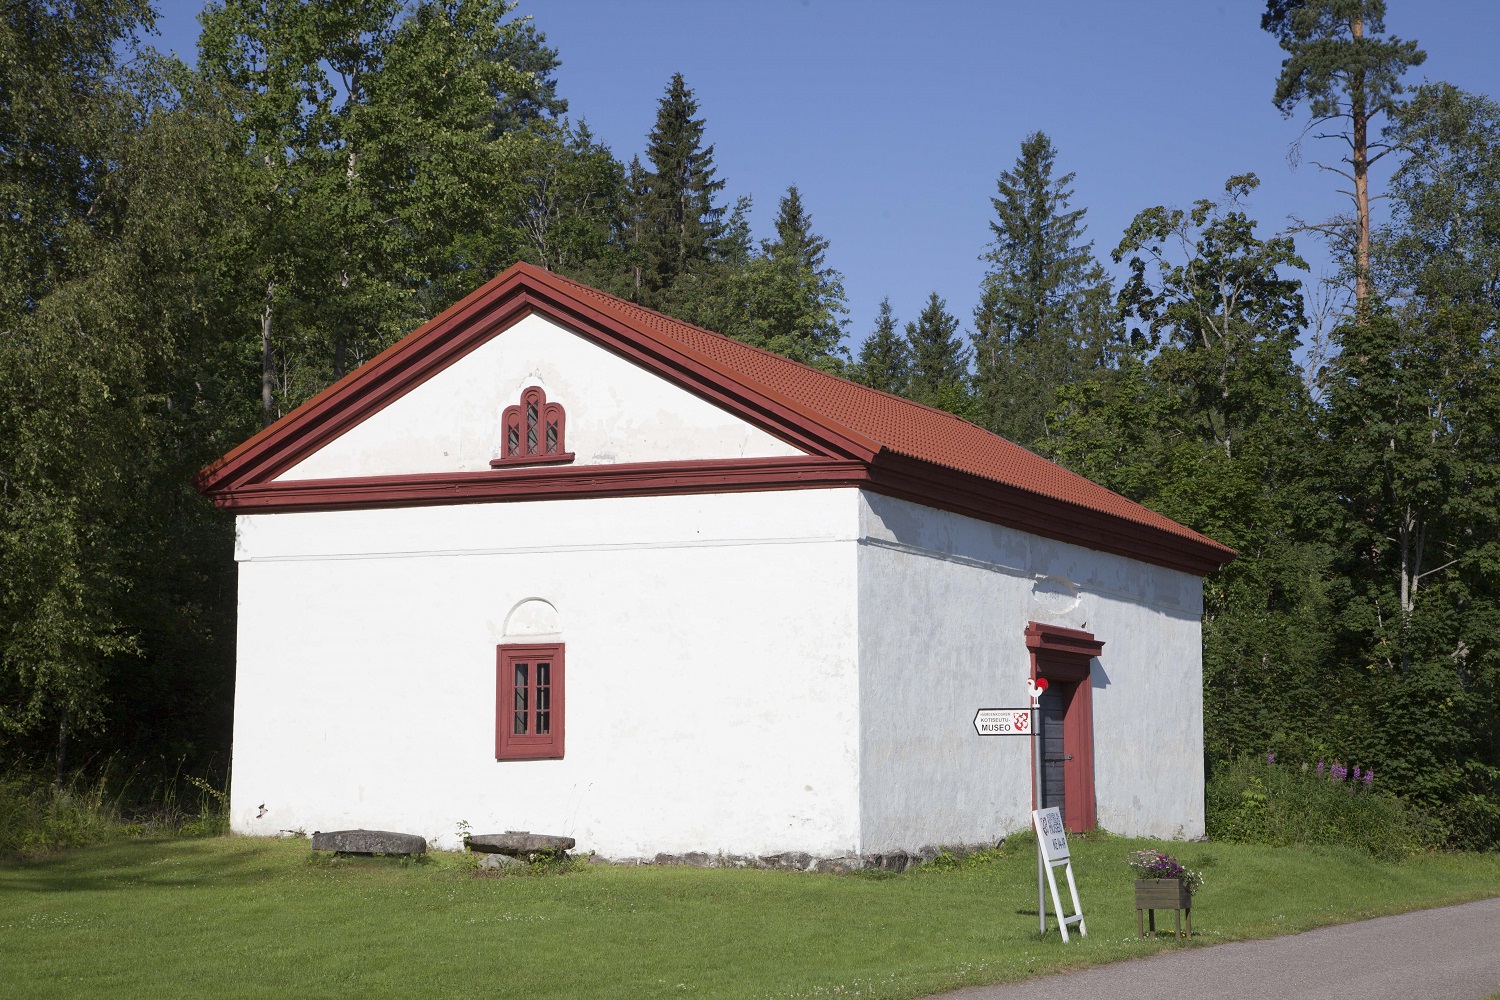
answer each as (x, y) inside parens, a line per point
(1062, 655)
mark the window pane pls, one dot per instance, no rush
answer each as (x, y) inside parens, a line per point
(520, 727)
(531, 427)
(543, 723)
(551, 437)
(543, 673)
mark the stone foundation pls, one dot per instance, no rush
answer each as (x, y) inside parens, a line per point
(798, 861)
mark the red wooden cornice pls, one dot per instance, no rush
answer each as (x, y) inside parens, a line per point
(1041, 637)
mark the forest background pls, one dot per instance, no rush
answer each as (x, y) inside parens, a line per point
(190, 250)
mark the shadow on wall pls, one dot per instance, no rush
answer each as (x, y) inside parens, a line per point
(1098, 676)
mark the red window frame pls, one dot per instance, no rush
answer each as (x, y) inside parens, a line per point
(539, 682)
(533, 431)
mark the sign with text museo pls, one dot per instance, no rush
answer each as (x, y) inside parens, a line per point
(1003, 722)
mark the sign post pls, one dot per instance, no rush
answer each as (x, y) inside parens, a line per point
(1035, 689)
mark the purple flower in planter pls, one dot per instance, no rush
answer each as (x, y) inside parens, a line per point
(1320, 769)
(1338, 771)
(1356, 772)
(1369, 778)
(1271, 757)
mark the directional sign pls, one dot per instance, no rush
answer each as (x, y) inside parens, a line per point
(1003, 722)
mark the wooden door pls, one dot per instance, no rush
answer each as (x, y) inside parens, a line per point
(1054, 710)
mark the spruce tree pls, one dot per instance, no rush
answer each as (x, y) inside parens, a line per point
(679, 222)
(1043, 315)
(940, 361)
(884, 358)
(795, 301)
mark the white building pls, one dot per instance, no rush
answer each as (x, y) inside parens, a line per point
(557, 563)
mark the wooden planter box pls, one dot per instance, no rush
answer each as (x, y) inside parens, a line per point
(1152, 894)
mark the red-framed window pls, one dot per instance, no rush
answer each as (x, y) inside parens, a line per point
(532, 431)
(529, 702)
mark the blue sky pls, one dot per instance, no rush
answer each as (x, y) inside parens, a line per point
(895, 119)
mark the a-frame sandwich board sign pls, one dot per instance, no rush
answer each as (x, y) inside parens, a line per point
(1052, 842)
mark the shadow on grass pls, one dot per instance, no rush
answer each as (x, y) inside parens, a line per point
(145, 861)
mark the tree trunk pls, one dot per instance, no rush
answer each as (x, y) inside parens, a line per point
(62, 746)
(267, 371)
(1359, 111)
(341, 338)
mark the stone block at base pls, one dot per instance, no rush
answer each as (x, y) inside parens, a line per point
(488, 862)
(369, 842)
(517, 843)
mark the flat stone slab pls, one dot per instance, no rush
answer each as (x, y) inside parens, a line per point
(518, 842)
(369, 842)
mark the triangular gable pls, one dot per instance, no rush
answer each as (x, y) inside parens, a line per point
(608, 411)
(831, 432)
(248, 477)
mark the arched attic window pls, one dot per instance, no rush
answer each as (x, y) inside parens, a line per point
(531, 431)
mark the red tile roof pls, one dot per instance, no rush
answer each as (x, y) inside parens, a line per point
(898, 424)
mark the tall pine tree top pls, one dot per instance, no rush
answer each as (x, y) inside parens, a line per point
(680, 223)
(1341, 66)
(1038, 261)
(1044, 315)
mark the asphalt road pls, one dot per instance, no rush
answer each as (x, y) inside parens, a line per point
(1452, 953)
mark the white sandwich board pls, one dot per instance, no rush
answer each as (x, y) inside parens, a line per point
(1052, 842)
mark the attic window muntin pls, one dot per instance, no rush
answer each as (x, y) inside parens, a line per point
(532, 432)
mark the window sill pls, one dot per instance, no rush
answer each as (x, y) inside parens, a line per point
(505, 463)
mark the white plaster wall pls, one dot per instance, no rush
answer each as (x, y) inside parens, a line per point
(616, 410)
(712, 693)
(943, 602)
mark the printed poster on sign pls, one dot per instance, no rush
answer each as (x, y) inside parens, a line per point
(1050, 832)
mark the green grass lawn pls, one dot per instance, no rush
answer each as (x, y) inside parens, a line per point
(253, 918)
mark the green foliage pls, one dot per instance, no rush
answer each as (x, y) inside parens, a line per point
(1341, 67)
(38, 818)
(885, 357)
(939, 361)
(1044, 317)
(791, 301)
(42, 816)
(675, 223)
(1328, 65)
(62, 99)
(1254, 800)
(1412, 427)
(1207, 421)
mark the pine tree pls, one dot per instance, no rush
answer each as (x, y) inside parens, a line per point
(940, 361)
(885, 357)
(531, 96)
(1338, 63)
(679, 222)
(1043, 316)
